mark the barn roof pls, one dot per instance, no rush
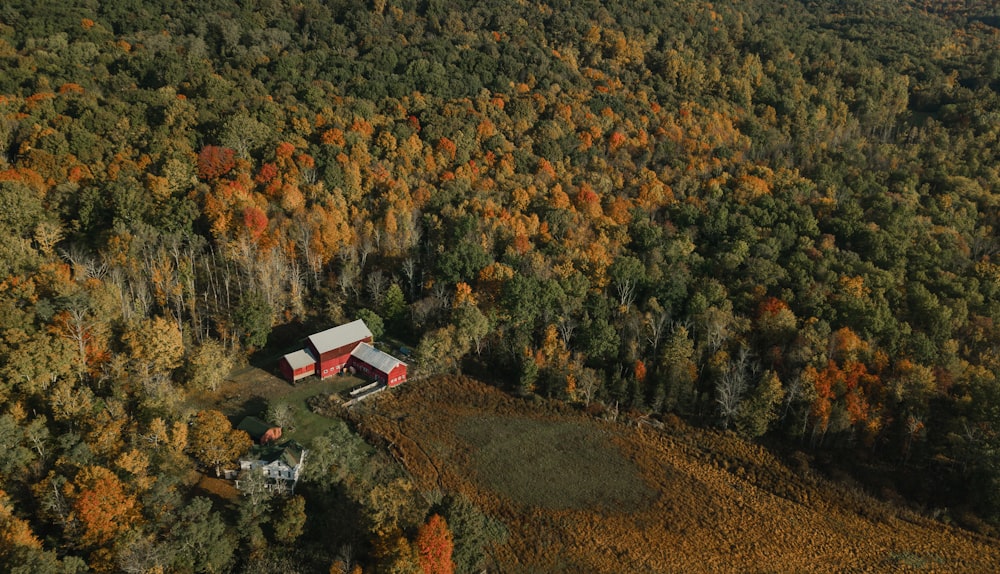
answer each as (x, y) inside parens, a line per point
(300, 359)
(375, 358)
(345, 334)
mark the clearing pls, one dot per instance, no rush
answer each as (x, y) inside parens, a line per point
(582, 495)
(249, 390)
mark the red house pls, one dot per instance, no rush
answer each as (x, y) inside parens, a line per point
(298, 365)
(380, 366)
(332, 348)
(329, 352)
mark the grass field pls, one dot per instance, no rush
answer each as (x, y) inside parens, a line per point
(553, 464)
(308, 424)
(249, 390)
(582, 495)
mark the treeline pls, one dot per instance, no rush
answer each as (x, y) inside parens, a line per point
(777, 218)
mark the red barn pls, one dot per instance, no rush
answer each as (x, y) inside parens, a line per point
(332, 348)
(378, 365)
(298, 365)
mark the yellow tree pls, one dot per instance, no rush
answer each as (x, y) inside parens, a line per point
(214, 442)
(156, 346)
(15, 534)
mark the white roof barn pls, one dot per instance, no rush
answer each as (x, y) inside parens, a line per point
(340, 336)
(373, 357)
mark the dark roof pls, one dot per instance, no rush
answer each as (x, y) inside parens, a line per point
(289, 452)
(254, 427)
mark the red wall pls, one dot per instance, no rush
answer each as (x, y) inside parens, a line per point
(331, 362)
(400, 373)
(286, 370)
(291, 376)
(331, 365)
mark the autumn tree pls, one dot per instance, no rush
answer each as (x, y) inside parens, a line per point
(16, 536)
(760, 409)
(434, 546)
(441, 350)
(208, 365)
(155, 349)
(215, 161)
(213, 441)
(102, 505)
(290, 523)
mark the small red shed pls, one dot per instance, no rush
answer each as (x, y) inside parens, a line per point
(298, 365)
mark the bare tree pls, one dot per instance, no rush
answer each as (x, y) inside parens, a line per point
(80, 321)
(79, 261)
(716, 325)
(350, 273)
(312, 259)
(345, 560)
(656, 322)
(588, 381)
(732, 387)
(376, 283)
(441, 295)
(410, 272)
(566, 327)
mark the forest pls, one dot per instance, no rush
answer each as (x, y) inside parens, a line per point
(775, 219)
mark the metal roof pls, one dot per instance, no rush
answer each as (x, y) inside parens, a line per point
(288, 452)
(300, 359)
(339, 336)
(375, 358)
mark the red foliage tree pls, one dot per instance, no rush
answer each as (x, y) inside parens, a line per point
(103, 506)
(434, 547)
(640, 370)
(215, 161)
(255, 220)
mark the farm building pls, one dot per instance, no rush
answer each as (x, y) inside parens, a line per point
(347, 346)
(380, 366)
(297, 365)
(260, 432)
(280, 465)
(332, 348)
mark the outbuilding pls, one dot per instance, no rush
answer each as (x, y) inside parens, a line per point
(298, 365)
(347, 346)
(380, 366)
(332, 348)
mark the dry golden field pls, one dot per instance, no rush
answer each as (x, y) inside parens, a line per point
(584, 495)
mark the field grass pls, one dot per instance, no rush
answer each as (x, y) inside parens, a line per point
(554, 464)
(583, 495)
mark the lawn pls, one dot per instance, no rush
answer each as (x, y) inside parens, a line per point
(249, 390)
(308, 424)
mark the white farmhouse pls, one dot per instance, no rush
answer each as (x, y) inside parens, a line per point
(279, 464)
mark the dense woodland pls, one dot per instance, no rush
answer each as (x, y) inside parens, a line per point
(778, 218)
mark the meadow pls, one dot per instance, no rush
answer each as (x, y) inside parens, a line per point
(578, 493)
